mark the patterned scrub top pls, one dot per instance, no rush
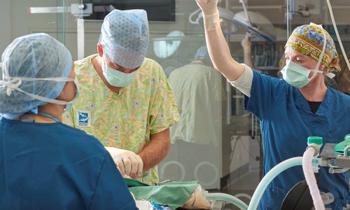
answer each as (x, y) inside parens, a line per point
(126, 119)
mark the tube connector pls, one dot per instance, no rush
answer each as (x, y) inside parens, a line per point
(343, 148)
(316, 142)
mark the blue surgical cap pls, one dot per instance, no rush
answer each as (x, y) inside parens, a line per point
(25, 60)
(201, 53)
(125, 37)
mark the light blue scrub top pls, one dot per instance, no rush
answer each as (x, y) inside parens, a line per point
(53, 166)
(286, 123)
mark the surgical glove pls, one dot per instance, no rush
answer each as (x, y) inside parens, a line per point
(129, 163)
(208, 7)
(210, 13)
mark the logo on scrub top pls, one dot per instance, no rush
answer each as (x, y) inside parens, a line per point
(83, 118)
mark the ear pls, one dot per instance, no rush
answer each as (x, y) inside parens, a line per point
(99, 49)
(324, 68)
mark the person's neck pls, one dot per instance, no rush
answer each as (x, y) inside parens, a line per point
(52, 109)
(315, 91)
(96, 62)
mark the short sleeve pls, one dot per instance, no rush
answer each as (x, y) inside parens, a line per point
(264, 92)
(111, 190)
(163, 109)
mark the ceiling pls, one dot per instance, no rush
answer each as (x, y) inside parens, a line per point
(306, 10)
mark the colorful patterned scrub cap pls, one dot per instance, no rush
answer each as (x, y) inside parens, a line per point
(309, 40)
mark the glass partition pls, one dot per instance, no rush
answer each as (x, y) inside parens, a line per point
(216, 142)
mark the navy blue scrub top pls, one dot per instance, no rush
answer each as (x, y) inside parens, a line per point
(54, 166)
(286, 122)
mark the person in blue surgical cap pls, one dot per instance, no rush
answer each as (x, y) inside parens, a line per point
(125, 100)
(45, 164)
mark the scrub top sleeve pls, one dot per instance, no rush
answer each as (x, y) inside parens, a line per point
(264, 92)
(111, 191)
(244, 81)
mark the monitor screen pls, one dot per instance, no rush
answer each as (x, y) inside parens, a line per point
(157, 10)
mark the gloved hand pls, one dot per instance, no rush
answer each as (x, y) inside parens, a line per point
(208, 7)
(129, 163)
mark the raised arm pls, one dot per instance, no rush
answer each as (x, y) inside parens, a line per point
(217, 46)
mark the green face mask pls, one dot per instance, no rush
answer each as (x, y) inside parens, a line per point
(297, 75)
(116, 78)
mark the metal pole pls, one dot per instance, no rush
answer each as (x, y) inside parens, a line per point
(80, 38)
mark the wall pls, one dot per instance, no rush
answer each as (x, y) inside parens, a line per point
(5, 32)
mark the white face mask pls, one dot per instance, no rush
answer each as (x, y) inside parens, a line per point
(13, 83)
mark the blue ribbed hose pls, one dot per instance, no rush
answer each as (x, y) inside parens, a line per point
(275, 171)
(227, 198)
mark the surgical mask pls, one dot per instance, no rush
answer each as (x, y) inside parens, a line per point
(13, 83)
(77, 94)
(297, 75)
(116, 78)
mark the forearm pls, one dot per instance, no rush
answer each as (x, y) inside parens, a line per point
(219, 51)
(156, 150)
